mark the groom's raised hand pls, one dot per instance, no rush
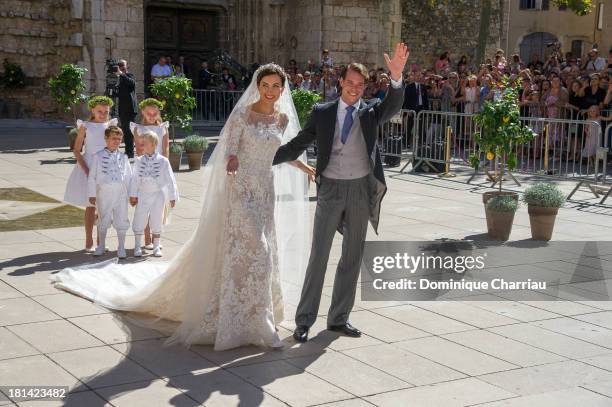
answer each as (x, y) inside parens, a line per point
(398, 62)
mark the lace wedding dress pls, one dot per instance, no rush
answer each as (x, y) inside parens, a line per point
(225, 286)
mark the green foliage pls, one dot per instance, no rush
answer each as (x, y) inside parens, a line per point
(304, 100)
(175, 95)
(545, 195)
(13, 77)
(68, 87)
(501, 130)
(502, 203)
(176, 148)
(579, 7)
(99, 100)
(195, 143)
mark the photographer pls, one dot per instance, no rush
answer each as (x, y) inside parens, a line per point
(127, 104)
(594, 63)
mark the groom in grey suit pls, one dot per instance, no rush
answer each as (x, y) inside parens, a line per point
(351, 185)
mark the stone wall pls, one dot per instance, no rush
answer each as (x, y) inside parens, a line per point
(42, 35)
(352, 30)
(462, 27)
(39, 36)
(113, 29)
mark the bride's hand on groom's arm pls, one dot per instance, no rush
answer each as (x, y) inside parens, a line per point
(232, 165)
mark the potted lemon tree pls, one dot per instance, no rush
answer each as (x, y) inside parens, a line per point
(68, 90)
(500, 132)
(543, 202)
(175, 95)
(304, 100)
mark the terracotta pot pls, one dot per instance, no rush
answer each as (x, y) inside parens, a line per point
(501, 224)
(175, 160)
(195, 160)
(542, 221)
(489, 215)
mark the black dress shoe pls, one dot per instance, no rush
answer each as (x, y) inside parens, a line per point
(346, 329)
(301, 333)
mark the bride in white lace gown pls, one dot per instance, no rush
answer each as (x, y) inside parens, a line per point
(225, 286)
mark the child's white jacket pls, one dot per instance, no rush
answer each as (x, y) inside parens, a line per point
(108, 167)
(153, 172)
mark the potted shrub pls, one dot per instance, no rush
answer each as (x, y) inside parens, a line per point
(543, 202)
(175, 95)
(500, 211)
(304, 100)
(194, 147)
(500, 132)
(176, 153)
(13, 78)
(68, 90)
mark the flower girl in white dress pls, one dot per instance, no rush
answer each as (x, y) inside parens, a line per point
(91, 139)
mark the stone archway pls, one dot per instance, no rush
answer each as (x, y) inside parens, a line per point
(535, 43)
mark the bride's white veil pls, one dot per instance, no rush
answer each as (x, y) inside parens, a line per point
(291, 218)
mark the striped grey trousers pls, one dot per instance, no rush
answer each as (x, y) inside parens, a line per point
(345, 201)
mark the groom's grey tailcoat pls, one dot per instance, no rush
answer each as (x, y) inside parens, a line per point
(344, 203)
(321, 128)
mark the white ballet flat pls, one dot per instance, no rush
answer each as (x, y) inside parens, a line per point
(90, 249)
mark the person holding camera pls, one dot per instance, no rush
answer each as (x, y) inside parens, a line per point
(594, 63)
(127, 105)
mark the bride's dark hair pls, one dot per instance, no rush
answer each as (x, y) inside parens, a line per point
(271, 69)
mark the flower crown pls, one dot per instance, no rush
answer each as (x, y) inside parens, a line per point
(99, 100)
(151, 102)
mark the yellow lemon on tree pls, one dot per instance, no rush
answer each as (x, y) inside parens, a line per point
(177, 95)
(506, 120)
(490, 155)
(73, 92)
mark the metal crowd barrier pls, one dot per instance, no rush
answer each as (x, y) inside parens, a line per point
(442, 138)
(214, 106)
(607, 146)
(395, 139)
(569, 149)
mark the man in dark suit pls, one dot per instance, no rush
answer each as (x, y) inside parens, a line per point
(184, 68)
(415, 98)
(204, 76)
(127, 105)
(351, 185)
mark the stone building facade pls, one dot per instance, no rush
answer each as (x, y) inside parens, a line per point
(40, 35)
(462, 27)
(531, 29)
